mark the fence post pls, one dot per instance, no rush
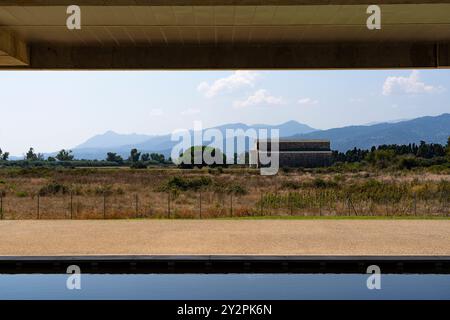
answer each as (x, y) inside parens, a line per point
(231, 205)
(38, 213)
(200, 203)
(136, 198)
(71, 206)
(168, 204)
(290, 204)
(104, 205)
(350, 204)
(261, 200)
(415, 204)
(320, 204)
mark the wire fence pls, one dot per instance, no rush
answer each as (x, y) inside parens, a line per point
(202, 205)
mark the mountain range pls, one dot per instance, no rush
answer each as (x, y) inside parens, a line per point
(434, 129)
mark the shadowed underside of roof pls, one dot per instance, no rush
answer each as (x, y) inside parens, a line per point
(224, 34)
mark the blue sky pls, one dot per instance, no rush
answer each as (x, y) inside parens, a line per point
(54, 110)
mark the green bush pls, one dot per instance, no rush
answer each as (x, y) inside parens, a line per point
(291, 185)
(237, 190)
(53, 188)
(184, 184)
(22, 194)
(408, 162)
(138, 165)
(322, 184)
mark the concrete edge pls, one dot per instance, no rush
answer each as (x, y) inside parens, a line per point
(274, 258)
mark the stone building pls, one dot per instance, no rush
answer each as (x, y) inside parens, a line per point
(295, 153)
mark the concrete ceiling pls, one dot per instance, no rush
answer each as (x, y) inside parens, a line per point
(184, 34)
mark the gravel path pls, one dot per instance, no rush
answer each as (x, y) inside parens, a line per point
(233, 237)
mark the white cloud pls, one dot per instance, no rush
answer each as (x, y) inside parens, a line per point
(408, 85)
(190, 111)
(260, 97)
(156, 112)
(235, 81)
(307, 101)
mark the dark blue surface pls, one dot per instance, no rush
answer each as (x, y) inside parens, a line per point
(225, 286)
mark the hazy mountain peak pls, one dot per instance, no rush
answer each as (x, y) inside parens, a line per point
(113, 139)
(434, 129)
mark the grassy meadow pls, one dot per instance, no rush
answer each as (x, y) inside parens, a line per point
(237, 192)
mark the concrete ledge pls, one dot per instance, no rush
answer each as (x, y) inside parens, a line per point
(306, 56)
(225, 264)
(208, 2)
(13, 52)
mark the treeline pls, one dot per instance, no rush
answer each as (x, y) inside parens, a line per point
(392, 155)
(65, 158)
(4, 155)
(403, 156)
(139, 160)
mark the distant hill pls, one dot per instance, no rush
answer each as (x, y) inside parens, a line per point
(434, 129)
(97, 146)
(111, 139)
(430, 129)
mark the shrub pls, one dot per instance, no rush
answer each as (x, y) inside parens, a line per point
(53, 189)
(22, 194)
(291, 185)
(408, 162)
(322, 184)
(286, 169)
(138, 165)
(106, 190)
(237, 190)
(184, 184)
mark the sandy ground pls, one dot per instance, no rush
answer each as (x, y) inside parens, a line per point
(217, 237)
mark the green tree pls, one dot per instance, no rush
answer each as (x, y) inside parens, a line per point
(187, 159)
(448, 148)
(134, 155)
(4, 155)
(145, 157)
(64, 155)
(113, 157)
(381, 158)
(157, 157)
(32, 156)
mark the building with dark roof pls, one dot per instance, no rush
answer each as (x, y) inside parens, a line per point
(295, 153)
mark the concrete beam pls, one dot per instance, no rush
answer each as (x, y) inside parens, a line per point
(444, 55)
(13, 52)
(209, 2)
(306, 56)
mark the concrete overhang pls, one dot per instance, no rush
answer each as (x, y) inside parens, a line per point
(224, 34)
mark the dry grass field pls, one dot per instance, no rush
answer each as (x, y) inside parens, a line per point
(115, 193)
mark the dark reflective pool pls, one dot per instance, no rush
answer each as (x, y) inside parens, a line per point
(224, 286)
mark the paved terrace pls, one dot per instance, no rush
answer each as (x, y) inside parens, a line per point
(225, 237)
